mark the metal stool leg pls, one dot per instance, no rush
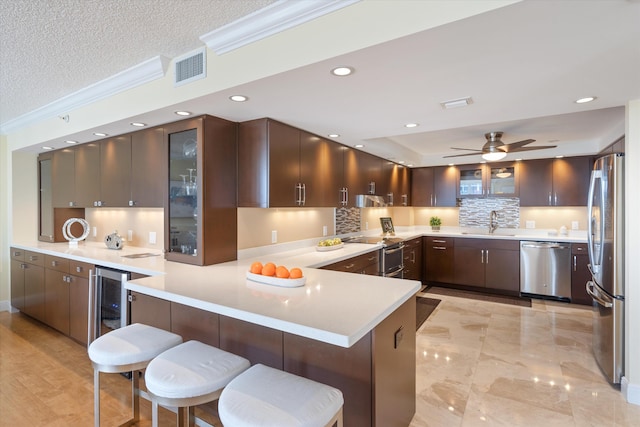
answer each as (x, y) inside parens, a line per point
(135, 395)
(96, 398)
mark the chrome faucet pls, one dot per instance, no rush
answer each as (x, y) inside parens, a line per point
(493, 222)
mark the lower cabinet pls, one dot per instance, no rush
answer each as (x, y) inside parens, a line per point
(79, 299)
(413, 259)
(376, 375)
(27, 282)
(438, 259)
(363, 264)
(580, 274)
(487, 263)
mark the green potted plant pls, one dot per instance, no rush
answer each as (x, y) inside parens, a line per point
(435, 223)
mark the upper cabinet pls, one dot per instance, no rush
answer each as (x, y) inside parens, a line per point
(397, 183)
(201, 221)
(281, 166)
(434, 186)
(555, 182)
(122, 171)
(494, 180)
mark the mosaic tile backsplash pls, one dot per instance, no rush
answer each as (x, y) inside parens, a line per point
(474, 212)
(347, 220)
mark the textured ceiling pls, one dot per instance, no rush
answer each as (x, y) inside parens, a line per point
(51, 48)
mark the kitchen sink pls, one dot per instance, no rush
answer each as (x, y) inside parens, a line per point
(470, 233)
(141, 255)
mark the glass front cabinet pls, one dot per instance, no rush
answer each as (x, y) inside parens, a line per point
(488, 180)
(201, 213)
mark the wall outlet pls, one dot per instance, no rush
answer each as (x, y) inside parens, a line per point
(274, 236)
(530, 224)
(575, 225)
(324, 230)
(130, 235)
(95, 231)
(152, 237)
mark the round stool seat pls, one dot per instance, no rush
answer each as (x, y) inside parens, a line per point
(263, 396)
(134, 344)
(191, 371)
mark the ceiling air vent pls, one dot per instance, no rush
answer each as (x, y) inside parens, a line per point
(190, 67)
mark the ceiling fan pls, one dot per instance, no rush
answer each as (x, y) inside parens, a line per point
(495, 149)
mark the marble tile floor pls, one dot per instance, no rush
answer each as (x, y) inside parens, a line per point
(478, 364)
(490, 364)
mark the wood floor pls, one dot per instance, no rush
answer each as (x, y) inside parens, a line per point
(46, 379)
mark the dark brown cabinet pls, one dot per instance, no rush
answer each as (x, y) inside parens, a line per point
(148, 168)
(115, 172)
(87, 174)
(555, 182)
(413, 259)
(397, 179)
(149, 310)
(487, 263)
(27, 282)
(434, 186)
(201, 221)
(438, 259)
(580, 274)
(363, 264)
(282, 166)
(56, 293)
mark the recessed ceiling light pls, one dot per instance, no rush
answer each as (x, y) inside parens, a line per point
(183, 113)
(342, 71)
(359, 145)
(100, 134)
(411, 125)
(410, 165)
(333, 135)
(47, 148)
(452, 164)
(559, 156)
(138, 124)
(401, 162)
(69, 141)
(238, 98)
(585, 99)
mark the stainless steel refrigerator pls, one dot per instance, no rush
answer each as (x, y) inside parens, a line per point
(606, 262)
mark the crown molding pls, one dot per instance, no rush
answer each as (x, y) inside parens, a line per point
(137, 75)
(277, 17)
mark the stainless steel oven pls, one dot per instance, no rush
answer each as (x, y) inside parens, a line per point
(107, 301)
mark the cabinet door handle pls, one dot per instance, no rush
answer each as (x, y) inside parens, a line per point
(33, 258)
(54, 263)
(349, 266)
(23, 266)
(486, 259)
(435, 200)
(575, 263)
(439, 241)
(132, 203)
(482, 256)
(431, 200)
(372, 187)
(555, 198)
(304, 194)
(17, 253)
(549, 198)
(371, 259)
(440, 248)
(405, 200)
(78, 269)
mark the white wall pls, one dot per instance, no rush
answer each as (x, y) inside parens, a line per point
(632, 254)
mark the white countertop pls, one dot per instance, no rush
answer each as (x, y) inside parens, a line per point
(333, 307)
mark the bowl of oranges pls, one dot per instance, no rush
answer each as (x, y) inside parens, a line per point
(277, 275)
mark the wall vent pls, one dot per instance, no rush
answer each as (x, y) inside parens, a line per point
(190, 67)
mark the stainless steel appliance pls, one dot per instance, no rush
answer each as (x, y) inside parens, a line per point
(391, 253)
(606, 262)
(107, 301)
(545, 269)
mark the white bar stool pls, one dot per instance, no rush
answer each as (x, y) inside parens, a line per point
(267, 397)
(127, 349)
(190, 374)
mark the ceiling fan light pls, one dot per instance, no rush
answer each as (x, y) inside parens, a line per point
(494, 155)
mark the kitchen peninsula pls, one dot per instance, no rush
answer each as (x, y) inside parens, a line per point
(351, 331)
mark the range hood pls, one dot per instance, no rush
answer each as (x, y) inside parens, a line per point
(369, 201)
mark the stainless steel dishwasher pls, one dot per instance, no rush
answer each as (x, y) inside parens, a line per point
(545, 269)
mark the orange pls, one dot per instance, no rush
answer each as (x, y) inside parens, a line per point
(282, 272)
(295, 273)
(269, 269)
(256, 268)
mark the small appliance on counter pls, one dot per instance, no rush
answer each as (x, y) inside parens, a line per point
(113, 240)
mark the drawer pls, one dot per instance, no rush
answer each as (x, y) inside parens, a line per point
(413, 243)
(17, 254)
(35, 258)
(56, 263)
(445, 242)
(80, 269)
(355, 264)
(579, 249)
